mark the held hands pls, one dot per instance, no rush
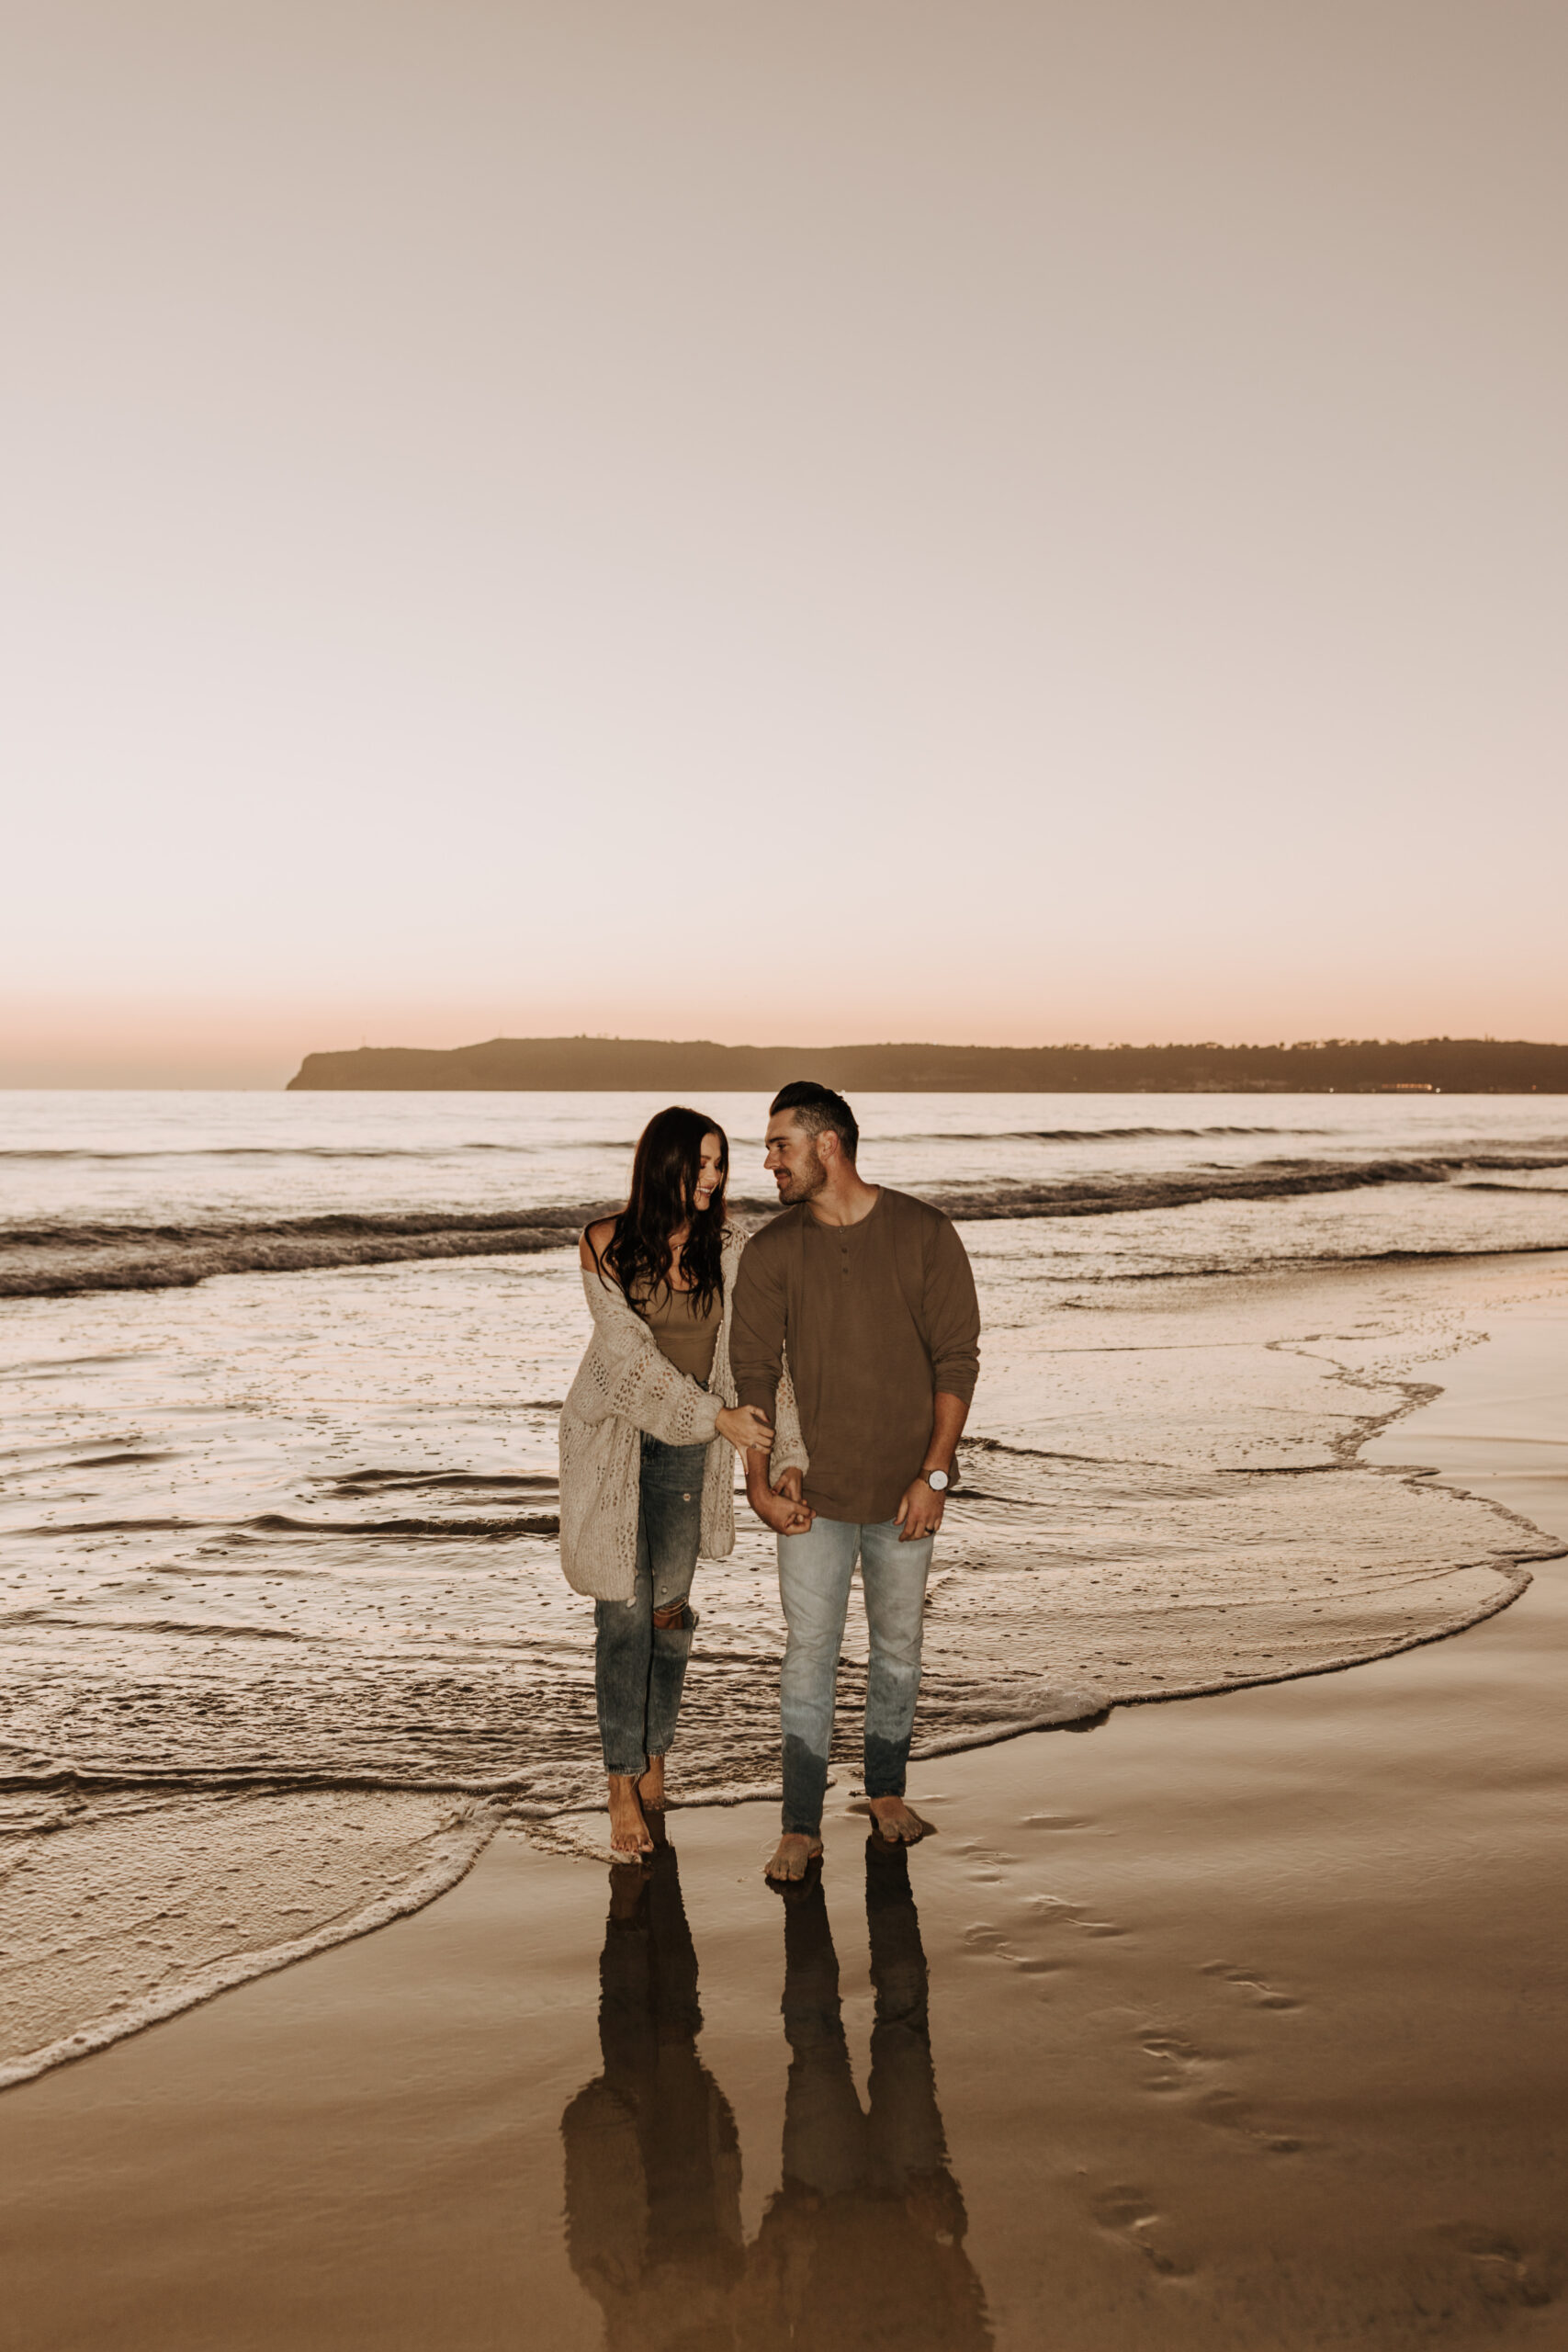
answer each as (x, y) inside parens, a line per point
(780, 1506)
(920, 1513)
(745, 1427)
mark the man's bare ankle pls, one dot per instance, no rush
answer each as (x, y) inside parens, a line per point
(896, 1819)
(793, 1855)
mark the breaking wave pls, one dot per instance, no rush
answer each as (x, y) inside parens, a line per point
(58, 1258)
(55, 1259)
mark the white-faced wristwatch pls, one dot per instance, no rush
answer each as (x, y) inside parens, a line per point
(936, 1480)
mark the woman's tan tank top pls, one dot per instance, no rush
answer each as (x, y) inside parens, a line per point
(686, 1338)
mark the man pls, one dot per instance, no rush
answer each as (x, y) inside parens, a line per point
(870, 1292)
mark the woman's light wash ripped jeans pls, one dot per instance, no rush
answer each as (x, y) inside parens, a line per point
(638, 1667)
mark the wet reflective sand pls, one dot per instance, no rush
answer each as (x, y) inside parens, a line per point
(1237, 2022)
(653, 2163)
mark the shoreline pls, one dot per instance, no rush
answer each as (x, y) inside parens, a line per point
(1244, 1598)
(1227, 2000)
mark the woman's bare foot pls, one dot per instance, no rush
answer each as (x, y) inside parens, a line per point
(650, 1788)
(899, 1824)
(790, 1857)
(628, 1830)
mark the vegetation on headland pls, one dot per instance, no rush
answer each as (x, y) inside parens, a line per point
(1325, 1066)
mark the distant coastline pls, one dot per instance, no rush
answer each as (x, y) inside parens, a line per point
(593, 1065)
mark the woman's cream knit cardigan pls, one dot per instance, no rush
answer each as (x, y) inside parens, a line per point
(625, 1385)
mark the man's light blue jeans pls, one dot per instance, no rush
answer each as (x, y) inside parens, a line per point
(815, 1572)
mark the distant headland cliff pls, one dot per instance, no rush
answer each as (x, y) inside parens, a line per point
(1329, 1065)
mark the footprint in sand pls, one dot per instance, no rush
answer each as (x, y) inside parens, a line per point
(1126, 2212)
(1179, 2062)
(1264, 1996)
(1183, 2067)
(986, 1863)
(1041, 1911)
(984, 1937)
(1228, 2113)
(1503, 2274)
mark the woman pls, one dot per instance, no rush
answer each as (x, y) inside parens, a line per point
(646, 1476)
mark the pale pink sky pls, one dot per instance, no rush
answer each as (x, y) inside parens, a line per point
(996, 520)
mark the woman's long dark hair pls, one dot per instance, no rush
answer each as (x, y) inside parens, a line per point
(663, 1198)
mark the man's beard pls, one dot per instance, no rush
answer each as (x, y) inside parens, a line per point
(807, 1180)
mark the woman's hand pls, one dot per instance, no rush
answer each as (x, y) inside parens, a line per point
(745, 1427)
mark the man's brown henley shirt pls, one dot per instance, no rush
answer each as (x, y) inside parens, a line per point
(876, 1317)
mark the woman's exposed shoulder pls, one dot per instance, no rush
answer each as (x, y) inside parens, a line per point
(591, 1247)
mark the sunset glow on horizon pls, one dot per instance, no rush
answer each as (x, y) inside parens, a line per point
(1008, 525)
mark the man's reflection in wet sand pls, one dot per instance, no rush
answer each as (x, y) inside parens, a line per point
(652, 2158)
(863, 2246)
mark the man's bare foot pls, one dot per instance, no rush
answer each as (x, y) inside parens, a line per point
(628, 1830)
(791, 1855)
(650, 1788)
(896, 1822)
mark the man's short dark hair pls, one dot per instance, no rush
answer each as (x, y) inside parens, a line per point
(818, 1108)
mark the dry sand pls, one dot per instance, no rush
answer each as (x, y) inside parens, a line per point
(1246, 2030)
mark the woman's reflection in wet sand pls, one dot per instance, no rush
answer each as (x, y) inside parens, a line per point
(652, 2157)
(862, 2245)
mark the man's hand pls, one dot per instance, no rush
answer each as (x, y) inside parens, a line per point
(920, 1513)
(779, 1506)
(782, 1516)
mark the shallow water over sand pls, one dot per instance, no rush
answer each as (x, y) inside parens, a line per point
(280, 1542)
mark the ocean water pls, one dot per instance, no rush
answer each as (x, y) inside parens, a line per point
(131, 1190)
(283, 1626)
